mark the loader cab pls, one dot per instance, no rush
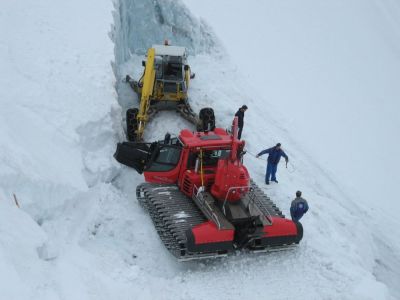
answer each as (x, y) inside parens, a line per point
(172, 72)
(169, 68)
(173, 68)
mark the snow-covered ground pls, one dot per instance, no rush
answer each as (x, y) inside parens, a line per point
(80, 233)
(329, 72)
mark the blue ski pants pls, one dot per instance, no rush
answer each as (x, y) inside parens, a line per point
(271, 172)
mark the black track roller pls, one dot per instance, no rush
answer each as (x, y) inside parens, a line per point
(131, 123)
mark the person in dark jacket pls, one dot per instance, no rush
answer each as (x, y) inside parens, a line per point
(298, 207)
(275, 154)
(240, 115)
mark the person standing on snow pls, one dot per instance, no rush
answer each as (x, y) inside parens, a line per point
(240, 115)
(298, 207)
(274, 157)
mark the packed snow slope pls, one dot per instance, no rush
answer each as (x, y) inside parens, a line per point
(329, 71)
(79, 232)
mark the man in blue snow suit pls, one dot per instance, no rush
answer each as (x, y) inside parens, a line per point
(274, 157)
(299, 207)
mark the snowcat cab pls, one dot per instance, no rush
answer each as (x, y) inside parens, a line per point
(164, 86)
(201, 198)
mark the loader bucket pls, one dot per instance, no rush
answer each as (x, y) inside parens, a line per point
(134, 155)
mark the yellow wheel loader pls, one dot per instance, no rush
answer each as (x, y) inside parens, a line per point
(164, 86)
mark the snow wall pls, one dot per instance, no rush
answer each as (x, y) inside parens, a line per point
(140, 24)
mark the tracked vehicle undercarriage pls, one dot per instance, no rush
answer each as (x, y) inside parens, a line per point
(174, 214)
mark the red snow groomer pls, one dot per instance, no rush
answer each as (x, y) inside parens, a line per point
(201, 198)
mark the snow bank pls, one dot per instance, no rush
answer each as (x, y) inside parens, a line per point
(56, 127)
(140, 24)
(19, 260)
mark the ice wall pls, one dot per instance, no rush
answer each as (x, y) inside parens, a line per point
(141, 23)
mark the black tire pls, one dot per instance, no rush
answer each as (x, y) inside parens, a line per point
(131, 123)
(207, 119)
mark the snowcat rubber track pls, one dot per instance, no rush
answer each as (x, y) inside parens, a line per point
(264, 202)
(173, 214)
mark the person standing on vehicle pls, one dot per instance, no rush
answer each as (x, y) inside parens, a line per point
(298, 207)
(240, 115)
(275, 154)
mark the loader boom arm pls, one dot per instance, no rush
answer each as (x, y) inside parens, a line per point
(147, 91)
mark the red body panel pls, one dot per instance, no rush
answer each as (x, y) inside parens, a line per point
(196, 139)
(208, 232)
(230, 174)
(191, 179)
(163, 177)
(280, 227)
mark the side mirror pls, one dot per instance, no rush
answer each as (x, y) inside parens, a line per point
(193, 75)
(143, 63)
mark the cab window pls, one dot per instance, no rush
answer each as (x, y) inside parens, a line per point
(166, 159)
(210, 157)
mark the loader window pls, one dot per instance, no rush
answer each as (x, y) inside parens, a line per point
(166, 159)
(159, 71)
(173, 69)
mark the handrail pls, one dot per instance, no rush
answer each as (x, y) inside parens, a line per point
(197, 192)
(229, 190)
(243, 187)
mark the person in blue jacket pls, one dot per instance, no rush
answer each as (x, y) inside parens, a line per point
(275, 154)
(298, 207)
